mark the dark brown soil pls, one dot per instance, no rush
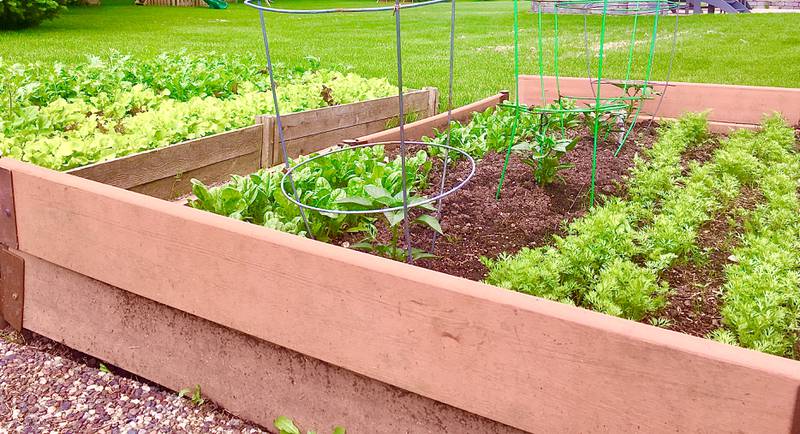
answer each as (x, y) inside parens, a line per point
(700, 154)
(527, 214)
(695, 299)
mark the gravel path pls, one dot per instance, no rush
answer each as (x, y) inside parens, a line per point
(45, 387)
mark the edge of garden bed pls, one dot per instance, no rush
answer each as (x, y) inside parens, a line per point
(532, 364)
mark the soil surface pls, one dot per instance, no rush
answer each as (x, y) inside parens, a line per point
(695, 298)
(476, 224)
(47, 387)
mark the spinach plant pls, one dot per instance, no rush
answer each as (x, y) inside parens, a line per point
(544, 156)
(378, 197)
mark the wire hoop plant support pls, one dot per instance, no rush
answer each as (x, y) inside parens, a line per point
(408, 205)
(632, 93)
(396, 9)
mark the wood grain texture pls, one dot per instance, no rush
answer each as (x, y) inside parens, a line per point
(433, 102)
(313, 122)
(309, 144)
(315, 130)
(267, 140)
(12, 289)
(727, 103)
(534, 364)
(8, 217)
(424, 127)
(180, 184)
(145, 167)
(248, 376)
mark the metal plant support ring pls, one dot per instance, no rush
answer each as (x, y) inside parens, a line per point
(431, 199)
(396, 8)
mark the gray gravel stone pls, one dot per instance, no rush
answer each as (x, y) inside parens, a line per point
(46, 387)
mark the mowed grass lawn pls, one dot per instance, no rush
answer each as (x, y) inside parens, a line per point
(754, 49)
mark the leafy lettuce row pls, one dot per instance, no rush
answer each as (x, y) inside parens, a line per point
(364, 178)
(113, 121)
(182, 74)
(761, 302)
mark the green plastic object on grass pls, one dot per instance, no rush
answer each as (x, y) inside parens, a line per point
(217, 4)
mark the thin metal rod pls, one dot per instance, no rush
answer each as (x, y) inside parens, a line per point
(406, 224)
(516, 101)
(648, 73)
(449, 117)
(278, 122)
(669, 72)
(339, 10)
(597, 102)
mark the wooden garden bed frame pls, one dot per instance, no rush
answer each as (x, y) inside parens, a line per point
(729, 107)
(166, 172)
(270, 324)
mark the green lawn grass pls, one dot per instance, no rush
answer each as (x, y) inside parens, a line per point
(754, 49)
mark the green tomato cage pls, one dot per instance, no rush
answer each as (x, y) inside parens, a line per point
(606, 17)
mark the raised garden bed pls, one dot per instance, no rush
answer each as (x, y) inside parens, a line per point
(270, 323)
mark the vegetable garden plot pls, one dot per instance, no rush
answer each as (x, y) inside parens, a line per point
(397, 327)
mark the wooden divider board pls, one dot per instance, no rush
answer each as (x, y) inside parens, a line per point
(165, 172)
(314, 130)
(727, 103)
(425, 127)
(537, 365)
(249, 377)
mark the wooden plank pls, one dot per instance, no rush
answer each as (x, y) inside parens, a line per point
(424, 127)
(12, 289)
(248, 376)
(313, 122)
(727, 103)
(180, 184)
(145, 167)
(534, 364)
(267, 140)
(309, 144)
(433, 102)
(8, 218)
(713, 126)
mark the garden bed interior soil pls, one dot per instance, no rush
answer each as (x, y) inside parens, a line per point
(695, 296)
(475, 224)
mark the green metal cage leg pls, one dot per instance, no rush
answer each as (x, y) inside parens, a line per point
(516, 99)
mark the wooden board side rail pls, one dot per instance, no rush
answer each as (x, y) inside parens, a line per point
(727, 104)
(425, 127)
(533, 364)
(249, 377)
(313, 130)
